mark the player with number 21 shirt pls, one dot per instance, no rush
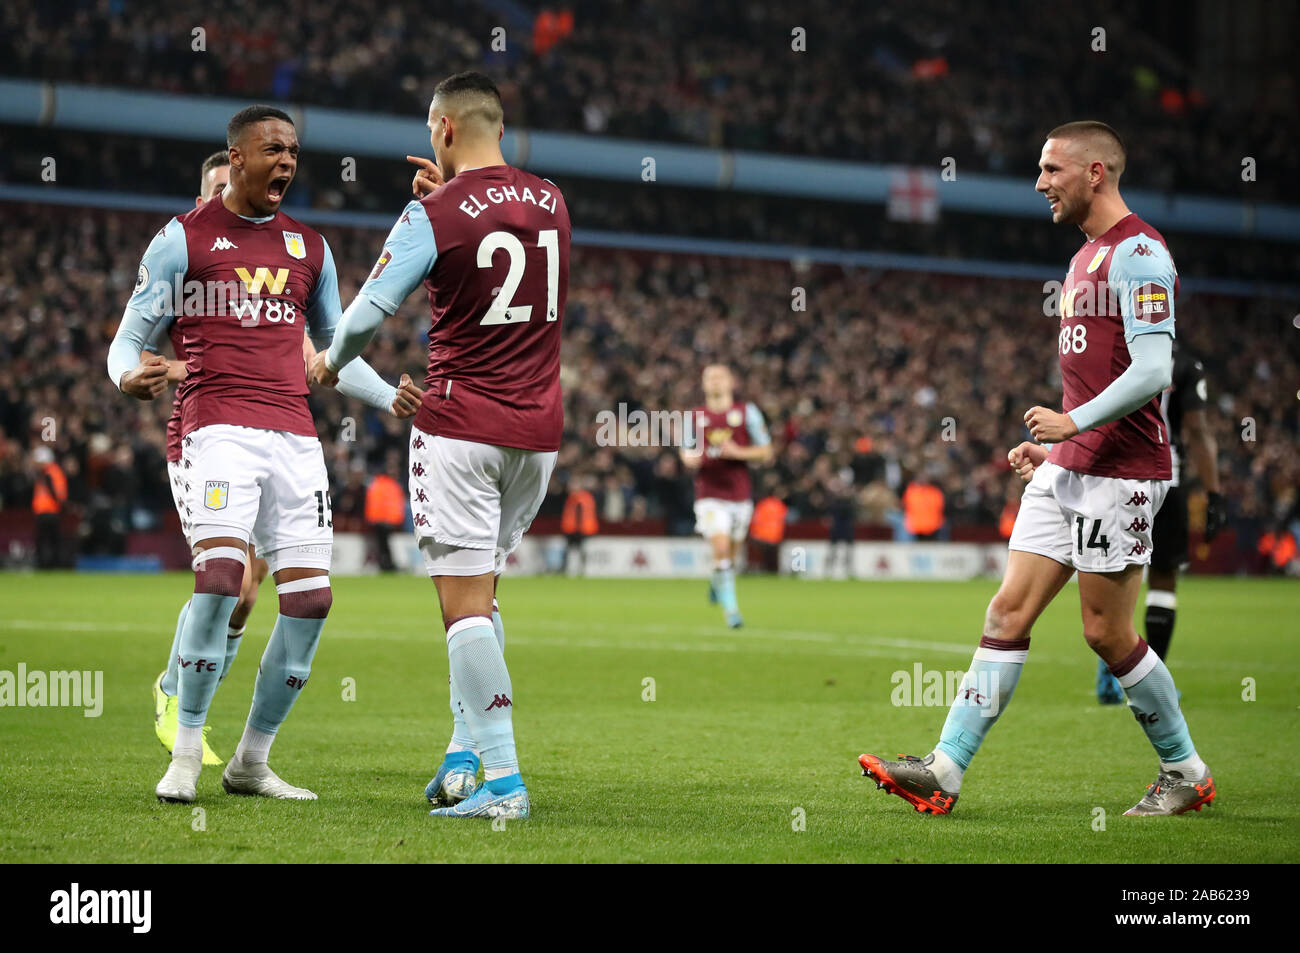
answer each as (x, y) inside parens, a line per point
(490, 244)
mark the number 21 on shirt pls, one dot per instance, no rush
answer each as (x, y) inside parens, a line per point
(503, 311)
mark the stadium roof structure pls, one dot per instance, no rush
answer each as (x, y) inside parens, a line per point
(104, 109)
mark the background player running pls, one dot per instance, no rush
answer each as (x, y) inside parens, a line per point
(240, 277)
(491, 245)
(213, 177)
(1183, 406)
(1090, 502)
(724, 437)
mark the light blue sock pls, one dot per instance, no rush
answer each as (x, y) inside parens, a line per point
(478, 670)
(724, 583)
(232, 649)
(982, 696)
(1153, 699)
(169, 676)
(499, 626)
(285, 667)
(461, 739)
(202, 650)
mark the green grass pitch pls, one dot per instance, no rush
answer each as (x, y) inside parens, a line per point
(750, 735)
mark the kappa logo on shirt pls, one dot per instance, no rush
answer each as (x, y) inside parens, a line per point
(1142, 250)
(223, 244)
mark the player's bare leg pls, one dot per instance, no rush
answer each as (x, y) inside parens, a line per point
(723, 585)
(481, 691)
(931, 784)
(305, 600)
(1184, 782)
(218, 572)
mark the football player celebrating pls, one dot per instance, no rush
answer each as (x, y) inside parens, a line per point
(213, 177)
(724, 437)
(1092, 497)
(491, 245)
(240, 278)
(1183, 406)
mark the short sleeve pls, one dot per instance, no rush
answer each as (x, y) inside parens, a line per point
(1142, 278)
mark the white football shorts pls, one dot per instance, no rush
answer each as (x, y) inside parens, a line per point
(472, 502)
(266, 487)
(1093, 523)
(176, 475)
(723, 518)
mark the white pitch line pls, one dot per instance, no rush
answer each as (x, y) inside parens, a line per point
(748, 640)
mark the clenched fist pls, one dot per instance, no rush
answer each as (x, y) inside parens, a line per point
(1047, 426)
(1026, 458)
(147, 379)
(408, 398)
(319, 372)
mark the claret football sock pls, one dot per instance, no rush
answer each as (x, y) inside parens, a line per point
(983, 694)
(478, 670)
(1153, 699)
(1162, 607)
(169, 676)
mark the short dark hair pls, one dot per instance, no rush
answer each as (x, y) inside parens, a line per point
(1092, 127)
(249, 115)
(472, 85)
(470, 81)
(215, 161)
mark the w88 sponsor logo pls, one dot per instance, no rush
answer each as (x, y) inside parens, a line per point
(253, 311)
(1073, 338)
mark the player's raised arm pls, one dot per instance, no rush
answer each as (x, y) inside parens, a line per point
(407, 258)
(149, 312)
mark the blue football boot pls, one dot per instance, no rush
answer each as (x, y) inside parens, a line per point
(511, 805)
(456, 779)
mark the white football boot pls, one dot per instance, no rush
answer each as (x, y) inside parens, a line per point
(259, 779)
(177, 785)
